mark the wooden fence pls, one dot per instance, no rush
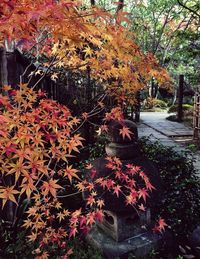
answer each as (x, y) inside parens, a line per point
(73, 86)
(76, 91)
(196, 118)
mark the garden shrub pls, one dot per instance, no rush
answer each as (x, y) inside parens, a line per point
(174, 108)
(160, 104)
(181, 185)
(150, 103)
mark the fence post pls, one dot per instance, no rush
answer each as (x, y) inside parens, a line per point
(196, 116)
(137, 107)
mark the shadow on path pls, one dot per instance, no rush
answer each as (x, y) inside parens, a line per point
(156, 127)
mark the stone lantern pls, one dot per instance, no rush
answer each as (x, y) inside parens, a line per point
(124, 230)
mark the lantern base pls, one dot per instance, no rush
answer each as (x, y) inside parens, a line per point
(139, 245)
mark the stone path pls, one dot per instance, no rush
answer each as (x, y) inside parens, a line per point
(155, 126)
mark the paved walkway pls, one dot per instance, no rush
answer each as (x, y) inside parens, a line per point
(155, 126)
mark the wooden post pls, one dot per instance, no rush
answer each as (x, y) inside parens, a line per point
(137, 107)
(180, 98)
(196, 116)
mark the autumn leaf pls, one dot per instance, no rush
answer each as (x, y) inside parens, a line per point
(93, 173)
(125, 132)
(90, 200)
(149, 186)
(33, 236)
(54, 76)
(100, 203)
(160, 225)
(80, 186)
(142, 193)
(70, 173)
(60, 216)
(85, 115)
(73, 232)
(7, 194)
(28, 223)
(141, 207)
(28, 188)
(99, 215)
(88, 51)
(32, 211)
(91, 218)
(3, 119)
(50, 187)
(117, 189)
(132, 197)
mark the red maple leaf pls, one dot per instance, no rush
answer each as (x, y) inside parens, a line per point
(141, 207)
(160, 226)
(99, 215)
(117, 189)
(11, 148)
(73, 232)
(143, 193)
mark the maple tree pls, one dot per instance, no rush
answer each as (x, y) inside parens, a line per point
(76, 38)
(37, 140)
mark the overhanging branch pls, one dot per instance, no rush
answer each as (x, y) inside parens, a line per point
(188, 8)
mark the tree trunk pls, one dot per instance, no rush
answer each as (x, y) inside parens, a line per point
(180, 98)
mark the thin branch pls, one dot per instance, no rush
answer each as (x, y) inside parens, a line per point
(68, 195)
(188, 8)
(21, 76)
(120, 5)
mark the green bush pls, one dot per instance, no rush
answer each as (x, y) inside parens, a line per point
(150, 103)
(181, 186)
(160, 104)
(174, 108)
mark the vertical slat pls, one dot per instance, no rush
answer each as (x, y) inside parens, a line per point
(196, 118)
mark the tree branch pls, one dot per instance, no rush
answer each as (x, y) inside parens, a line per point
(188, 8)
(120, 5)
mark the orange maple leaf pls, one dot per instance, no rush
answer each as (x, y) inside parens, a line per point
(50, 186)
(100, 203)
(7, 194)
(125, 132)
(90, 218)
(90, 200)
(70, 173)
(3, 119)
